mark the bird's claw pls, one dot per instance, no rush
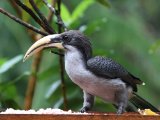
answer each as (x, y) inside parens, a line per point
(84, 109)
(120, 111)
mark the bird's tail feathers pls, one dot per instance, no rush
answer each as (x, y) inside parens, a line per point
(141, 103)
(136, 80)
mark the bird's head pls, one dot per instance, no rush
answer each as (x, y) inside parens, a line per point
(65, 41)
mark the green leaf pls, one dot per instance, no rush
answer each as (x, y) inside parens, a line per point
(5, 85)
(94, 26)
(10, 63)
(50, 1)
(154, 47)
(10, 92)
(25, 15)
(80, 9)
(2, 61)
(52, 89)
(10, 103)
(16, 79)
(58, 103)
(48, 73)
(104, 3)
(66, 16)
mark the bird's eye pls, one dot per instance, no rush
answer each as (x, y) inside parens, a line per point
(65, 37)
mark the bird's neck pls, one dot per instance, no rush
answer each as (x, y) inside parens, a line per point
(75, 57)
(75, 65)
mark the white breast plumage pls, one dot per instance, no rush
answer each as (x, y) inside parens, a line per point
(76, 70)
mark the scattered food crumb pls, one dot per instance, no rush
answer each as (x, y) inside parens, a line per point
(147, 112)
(40, 111)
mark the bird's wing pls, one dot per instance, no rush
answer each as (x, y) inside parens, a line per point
(107, 68)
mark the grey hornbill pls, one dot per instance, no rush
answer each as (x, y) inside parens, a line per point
(97, 76)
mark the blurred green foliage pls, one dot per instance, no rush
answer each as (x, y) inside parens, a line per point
(126, 31)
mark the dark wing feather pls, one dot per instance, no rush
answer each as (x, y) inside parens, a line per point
(107, 68)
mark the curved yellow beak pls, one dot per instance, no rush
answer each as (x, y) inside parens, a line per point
(45, 42)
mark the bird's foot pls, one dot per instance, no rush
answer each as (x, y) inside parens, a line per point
(84, 109)
(120, 111)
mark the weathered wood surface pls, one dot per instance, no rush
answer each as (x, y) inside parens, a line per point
(110, 116)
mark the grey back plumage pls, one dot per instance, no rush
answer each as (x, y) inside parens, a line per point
(109, 69)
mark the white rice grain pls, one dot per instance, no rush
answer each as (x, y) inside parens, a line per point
(40, 111)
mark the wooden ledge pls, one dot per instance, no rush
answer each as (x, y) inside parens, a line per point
(92, 116)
